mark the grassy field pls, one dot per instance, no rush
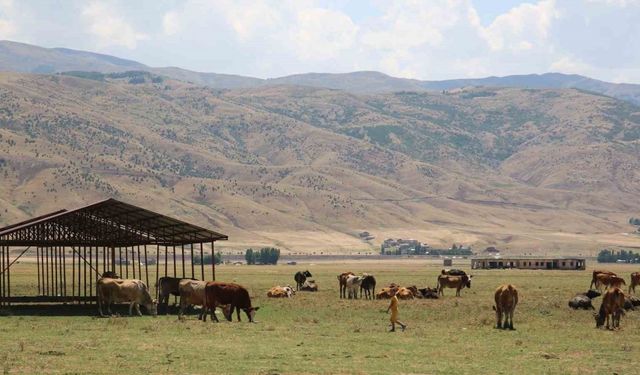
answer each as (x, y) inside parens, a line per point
(318, 333)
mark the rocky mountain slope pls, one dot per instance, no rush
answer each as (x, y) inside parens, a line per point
(306, 168)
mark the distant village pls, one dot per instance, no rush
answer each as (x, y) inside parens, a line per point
(400, 246)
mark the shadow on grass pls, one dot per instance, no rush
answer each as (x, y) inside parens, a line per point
(83, 310)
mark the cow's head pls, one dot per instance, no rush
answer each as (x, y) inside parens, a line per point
(592, 293)
(466, 280)
(152, 307)
(251, 313)
(307, 273)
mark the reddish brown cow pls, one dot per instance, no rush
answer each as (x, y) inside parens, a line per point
(342, 281)
(608, 281)
(612, 305)
(237, 296)
(594, 277)
(456, 282)
(635, 280)
(506, 298)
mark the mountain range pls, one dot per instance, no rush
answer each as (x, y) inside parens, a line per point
(306, 166)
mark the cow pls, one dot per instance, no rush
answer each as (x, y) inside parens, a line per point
(457, 282)
(300, 277)
(506, 298)
(342, 282)
(635, 281)
(406, 293)
(430, 293)
(387, 292)
(594, 277)
(135, 292)
(580, 301)
(453, 272)
(368, 286)
(192, 293)
(609, 281)
(309, 286)
(219, 293)
(110, 275)
(353, 284)
(279, 292)
(612, 305)
(168, 286)
(631, 302)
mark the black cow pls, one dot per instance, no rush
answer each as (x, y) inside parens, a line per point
(631, 302)
(429, 293)
(300, 277)
(583, 300)
(369, 286)
(453, 272)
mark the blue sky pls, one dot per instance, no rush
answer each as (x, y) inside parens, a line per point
(431, 39)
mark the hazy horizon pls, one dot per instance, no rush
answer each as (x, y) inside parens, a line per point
(433, 40)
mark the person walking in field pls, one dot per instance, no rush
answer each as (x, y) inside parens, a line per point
(393, 306)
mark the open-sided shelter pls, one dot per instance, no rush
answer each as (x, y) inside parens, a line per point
(73, 248)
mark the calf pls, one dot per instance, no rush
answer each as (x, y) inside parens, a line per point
(218, 294)
(135, 292)
(368, 285)
(506, 298)
(309, 286)
(612, 306)
(457, 282)
(300, 277)
(342, 282)
(635, 281)
(280, 292)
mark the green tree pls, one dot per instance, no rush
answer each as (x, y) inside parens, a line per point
(250, 257)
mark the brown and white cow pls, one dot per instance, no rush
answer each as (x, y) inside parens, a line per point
(506, 298)
(635, 281)
(612, 306)
(342, 282)
(219, 293)
(168, 286)
(456, 282)
(281, 292)
(353, 285)
(135, 292)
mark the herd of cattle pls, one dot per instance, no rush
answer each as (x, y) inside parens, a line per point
(230, 296)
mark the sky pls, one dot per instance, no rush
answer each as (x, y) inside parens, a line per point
(429, 39)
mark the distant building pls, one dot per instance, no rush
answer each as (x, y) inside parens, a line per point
(529, 262)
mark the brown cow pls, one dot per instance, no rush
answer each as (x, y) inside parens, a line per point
(342, 281)
(405, 293)
(612, 305)
(609, 281)
(635, 281)
(457, 282)
(218, 294)
(135, 292)
(506, 298)
(594, 277)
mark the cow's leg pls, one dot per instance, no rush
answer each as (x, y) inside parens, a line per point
(498, 318)
(237, 311)
(213, 314)
(100, 307)
(511, 320)
(137, 306)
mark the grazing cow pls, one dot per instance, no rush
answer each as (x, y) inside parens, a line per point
(342, 281)
(135, 292)
(453, 272)
(168, 286)
(309, 286)
(218, 294)
(635, 280)
(279, 292)
(300, 277)
(353, 284)
(110, 275)
(430, 293)
(631, 302)
(457, 282)
(612, 305)
(594, 277)
(369, 286)
(506, 298)
(192, 293)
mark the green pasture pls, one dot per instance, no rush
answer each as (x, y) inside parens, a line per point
(317, 333)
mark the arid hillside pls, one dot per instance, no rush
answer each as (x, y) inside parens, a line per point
(306, 169)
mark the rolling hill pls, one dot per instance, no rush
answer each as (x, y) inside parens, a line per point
(25, 58)
(306, 169)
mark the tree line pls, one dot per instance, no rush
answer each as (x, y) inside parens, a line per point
(611, 256)
(266, 255)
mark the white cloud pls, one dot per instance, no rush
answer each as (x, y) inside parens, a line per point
(7, 27)
(171, 23)
(522, 27)
(110, 28)
(322, 34)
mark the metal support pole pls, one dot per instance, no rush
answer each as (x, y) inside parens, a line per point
(213, 262)
(192, 265)
(38, 266)
(126, 262)
(201, 262)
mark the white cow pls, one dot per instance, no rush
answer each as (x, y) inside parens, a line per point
(353, 285)
(133, 291)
